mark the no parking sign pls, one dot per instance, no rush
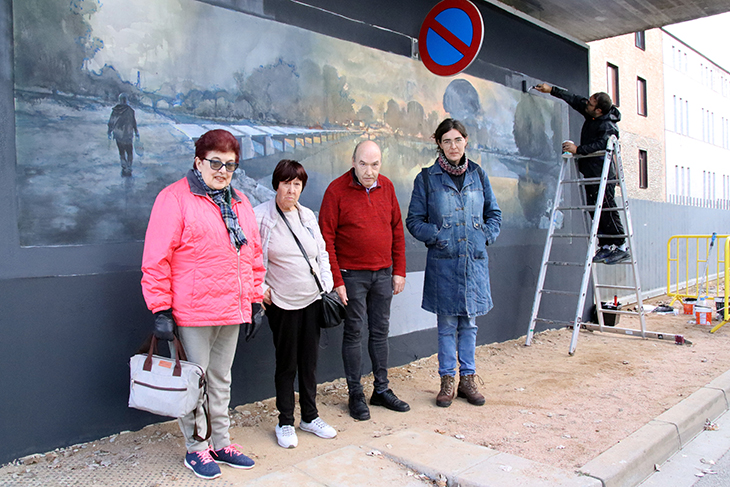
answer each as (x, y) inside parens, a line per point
(451, 37)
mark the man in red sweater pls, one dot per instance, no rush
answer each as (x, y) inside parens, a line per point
(362, 227)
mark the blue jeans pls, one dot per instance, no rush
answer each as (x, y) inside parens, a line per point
(369, 294)
(456, 333)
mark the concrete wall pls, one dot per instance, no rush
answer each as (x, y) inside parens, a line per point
(71, 316)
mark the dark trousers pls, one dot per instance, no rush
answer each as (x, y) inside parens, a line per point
(296, 339)
(369, 294)
(126, 153)
(610, 222)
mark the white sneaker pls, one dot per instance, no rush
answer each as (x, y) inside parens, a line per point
(286, 436)
(319, 428)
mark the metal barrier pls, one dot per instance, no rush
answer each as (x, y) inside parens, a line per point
(689, 270)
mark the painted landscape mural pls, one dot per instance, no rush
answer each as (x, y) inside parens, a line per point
(183, 67)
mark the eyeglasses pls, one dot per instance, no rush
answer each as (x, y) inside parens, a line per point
(456, 141)
(216, 165)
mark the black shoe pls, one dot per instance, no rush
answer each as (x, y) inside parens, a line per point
(601, 255)
(389, 400)
(617, 256)
(358, 407)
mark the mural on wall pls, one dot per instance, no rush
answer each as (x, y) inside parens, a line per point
(110, 96)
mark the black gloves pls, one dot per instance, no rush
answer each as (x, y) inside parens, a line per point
(164, 325)
(257, 318)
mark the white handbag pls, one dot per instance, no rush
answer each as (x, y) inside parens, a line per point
(168, 387)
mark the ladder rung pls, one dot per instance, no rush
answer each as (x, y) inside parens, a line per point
(571, 235)
(554, 322)
(616, 286)
(589, 208)
(557, 262)
(564, 293)
(622, 235)
(588, 180)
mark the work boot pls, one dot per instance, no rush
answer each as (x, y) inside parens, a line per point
(468, 389)
(446, 394)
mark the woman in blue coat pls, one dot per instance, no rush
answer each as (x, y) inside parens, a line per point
(454, 212)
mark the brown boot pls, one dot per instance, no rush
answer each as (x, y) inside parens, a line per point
(468, 389)
(446, 394)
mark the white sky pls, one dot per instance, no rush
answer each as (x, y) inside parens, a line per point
(710, 36)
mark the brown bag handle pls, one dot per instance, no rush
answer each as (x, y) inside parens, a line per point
(180, 354)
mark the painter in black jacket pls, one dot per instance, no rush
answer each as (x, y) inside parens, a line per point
(601, 117)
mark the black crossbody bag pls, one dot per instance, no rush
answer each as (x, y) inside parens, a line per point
(332, 308)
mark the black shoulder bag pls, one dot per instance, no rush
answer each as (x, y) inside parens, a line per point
(332, 308)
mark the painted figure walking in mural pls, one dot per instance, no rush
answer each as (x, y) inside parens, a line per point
(601, 117)
(202, 275)
(361, 223)
(122, 126)
(292, 298)
(453, 211)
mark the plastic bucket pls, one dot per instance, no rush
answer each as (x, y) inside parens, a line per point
(609, 319)
(703, 316)
(689, 304)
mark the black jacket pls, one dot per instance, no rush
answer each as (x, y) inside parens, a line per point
(122, 123)
(596, 131)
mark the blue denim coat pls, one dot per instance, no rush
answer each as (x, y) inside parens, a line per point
(456, 227)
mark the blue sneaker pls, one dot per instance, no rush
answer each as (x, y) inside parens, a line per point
(602, 253)
(231, 456)
(202, 464)
(616, 257)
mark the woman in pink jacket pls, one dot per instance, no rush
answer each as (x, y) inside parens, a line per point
(202, 272)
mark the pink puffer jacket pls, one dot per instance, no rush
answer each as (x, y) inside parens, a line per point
(189, 263)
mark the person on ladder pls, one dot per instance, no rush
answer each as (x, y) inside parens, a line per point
(601, 117)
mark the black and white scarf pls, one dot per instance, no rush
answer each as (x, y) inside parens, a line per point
(222, 198)
(450, 168)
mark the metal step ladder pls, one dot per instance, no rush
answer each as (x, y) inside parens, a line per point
(569, 176)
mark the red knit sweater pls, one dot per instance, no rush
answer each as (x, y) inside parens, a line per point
(363, 231)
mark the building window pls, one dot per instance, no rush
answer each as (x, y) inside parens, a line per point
(643, 170)
(612, 83)
(640, 40)
(641, 97)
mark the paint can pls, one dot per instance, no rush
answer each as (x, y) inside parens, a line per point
(567, 154)
(703, 316)
(689, 304)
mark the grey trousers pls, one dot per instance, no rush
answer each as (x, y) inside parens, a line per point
(213, 348)
(369, 294)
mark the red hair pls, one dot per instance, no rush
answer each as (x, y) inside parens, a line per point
(216, 140)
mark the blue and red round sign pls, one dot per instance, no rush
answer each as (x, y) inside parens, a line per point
(451, 37)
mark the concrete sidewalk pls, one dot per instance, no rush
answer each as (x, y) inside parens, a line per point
(425, 458)
(414, 457)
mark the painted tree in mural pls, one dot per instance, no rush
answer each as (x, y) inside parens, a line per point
(274, 93)
(338, 104)
(393, 115)
(366, 115)
(529, 130)
(461, 100)
(53, 41)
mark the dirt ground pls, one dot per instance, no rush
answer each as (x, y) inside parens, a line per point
(542, 404)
